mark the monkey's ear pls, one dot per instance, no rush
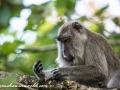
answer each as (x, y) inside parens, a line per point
(76, 25)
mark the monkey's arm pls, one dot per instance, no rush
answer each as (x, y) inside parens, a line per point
(84, 72)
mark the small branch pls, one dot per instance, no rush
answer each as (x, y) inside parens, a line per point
(40, 49)
(54, 47)
(116, 42)
(49, 85)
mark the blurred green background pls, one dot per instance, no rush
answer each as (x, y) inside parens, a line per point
(28, 31)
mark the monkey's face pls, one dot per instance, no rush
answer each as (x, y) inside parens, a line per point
(68, 35)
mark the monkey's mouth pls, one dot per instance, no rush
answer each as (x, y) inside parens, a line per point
(68, 56)
(67, 53)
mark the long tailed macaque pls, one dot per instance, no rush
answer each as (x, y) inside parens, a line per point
(83, 56)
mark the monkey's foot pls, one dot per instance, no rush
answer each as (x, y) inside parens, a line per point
(37, 68)
(56, 73)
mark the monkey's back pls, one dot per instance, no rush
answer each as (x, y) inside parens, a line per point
(113, 62)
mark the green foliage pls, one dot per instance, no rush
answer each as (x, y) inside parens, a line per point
(14, 60)
(9, 83)
(100, 12)
(4, 16)
(116, 20)
(8, 47)
(63, 8)
(7, 10)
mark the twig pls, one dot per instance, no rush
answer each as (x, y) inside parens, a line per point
(116, 42)
(40, 49)
(54, 47)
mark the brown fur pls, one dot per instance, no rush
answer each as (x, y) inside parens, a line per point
(90, 49)
(83, 56)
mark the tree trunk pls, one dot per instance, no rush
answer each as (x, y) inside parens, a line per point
(23, 80)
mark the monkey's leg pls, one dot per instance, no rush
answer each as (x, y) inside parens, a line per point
(114, 82)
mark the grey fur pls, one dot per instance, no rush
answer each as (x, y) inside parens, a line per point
(94, 60)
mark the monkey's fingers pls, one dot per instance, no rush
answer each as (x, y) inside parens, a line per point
(35, 66)
(54, 70)
(36, 63)
(101, 85)
(56, 73)
(40, 68)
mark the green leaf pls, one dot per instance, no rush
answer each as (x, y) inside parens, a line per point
(97, 27)
(4, 16)
(8, 47)
(116, 21)
(83, 18)
(115, 35)
(99, 13)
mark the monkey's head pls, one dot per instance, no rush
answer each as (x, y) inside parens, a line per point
(71, 37)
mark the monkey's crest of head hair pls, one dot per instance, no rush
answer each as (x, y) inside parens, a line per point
(72, 26)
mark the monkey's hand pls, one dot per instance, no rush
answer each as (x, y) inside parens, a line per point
(101, 85)
(57, 75)
(37, 68)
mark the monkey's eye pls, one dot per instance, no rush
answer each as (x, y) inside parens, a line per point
(76, 25)
(65, 40)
